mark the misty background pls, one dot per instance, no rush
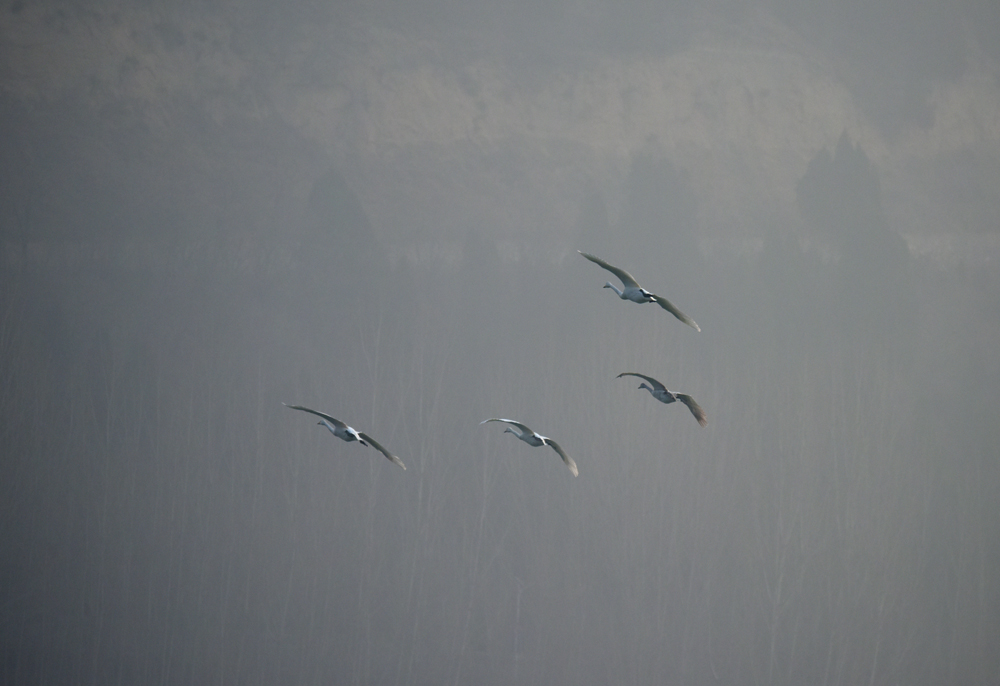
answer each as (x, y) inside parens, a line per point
(373, 209)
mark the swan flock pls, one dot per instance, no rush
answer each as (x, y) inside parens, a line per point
(631, 290)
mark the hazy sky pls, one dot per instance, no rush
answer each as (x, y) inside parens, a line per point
(374, 210)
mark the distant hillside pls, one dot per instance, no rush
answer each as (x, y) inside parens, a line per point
(188, 114)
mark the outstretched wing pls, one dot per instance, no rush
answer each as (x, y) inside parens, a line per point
(669, 307)
(627, 279)
(519, 425)
(336, 422)
(657, 386)
(378, 446)
(695, 408)
(562, 453)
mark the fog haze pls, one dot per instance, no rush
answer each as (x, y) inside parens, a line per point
(207, 210)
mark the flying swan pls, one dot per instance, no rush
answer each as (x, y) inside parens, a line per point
(531, 438)
(660, 392)
(636, 293)
(348, 433)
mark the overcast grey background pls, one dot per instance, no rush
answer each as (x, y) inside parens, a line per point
(373, 209)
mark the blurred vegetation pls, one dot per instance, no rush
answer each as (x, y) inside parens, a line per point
(165, 519)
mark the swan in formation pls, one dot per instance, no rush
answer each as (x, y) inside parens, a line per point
(534, 439)
(636, 293)
(347, 433)
(660, 392)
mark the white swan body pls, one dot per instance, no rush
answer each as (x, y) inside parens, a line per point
(536, 440)
(348, 433)
(631, 290)
(660, 392)
(341, 430)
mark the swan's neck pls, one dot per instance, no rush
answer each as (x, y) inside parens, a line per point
(653, 392)
(621, 294)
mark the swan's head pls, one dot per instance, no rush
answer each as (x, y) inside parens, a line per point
(642, 385)
(608, 285)
(508, 430)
